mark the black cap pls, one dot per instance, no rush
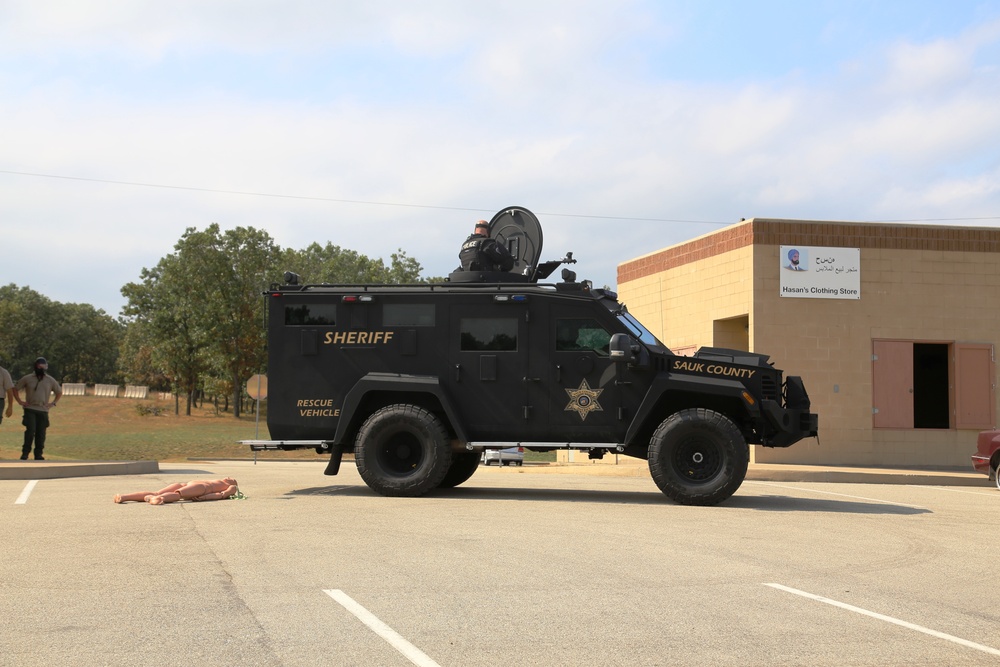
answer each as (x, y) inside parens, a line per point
(41, 360)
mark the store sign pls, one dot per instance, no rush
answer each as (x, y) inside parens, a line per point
(810, 272)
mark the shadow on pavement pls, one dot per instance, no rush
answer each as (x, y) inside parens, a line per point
(768, 503)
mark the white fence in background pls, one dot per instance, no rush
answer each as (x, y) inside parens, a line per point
(136, 391)
(109, 390)
(106, 390)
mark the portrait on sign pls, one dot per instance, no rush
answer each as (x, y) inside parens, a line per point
(796, 260)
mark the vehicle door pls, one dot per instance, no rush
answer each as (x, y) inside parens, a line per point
(578, 380)
(487, 367)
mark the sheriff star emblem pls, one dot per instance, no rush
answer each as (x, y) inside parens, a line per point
(583, 400)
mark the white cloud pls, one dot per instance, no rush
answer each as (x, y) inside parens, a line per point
(938, 64)
(515, 104)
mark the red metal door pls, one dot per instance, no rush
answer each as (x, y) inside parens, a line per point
(892, 384)
(974, 386)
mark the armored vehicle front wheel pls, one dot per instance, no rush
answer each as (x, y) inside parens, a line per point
(463, 466)
(403, 450)
(698, 457)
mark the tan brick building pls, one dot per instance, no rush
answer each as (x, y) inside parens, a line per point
(892, 327)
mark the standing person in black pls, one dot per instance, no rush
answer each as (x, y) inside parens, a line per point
(41, 392)
(482, 253)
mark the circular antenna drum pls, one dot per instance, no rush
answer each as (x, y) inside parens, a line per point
(518, 229)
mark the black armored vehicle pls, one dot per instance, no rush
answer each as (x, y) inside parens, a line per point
(418, 380)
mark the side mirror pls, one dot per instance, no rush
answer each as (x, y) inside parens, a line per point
(620, 348)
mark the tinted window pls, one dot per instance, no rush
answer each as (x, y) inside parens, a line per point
(408, 315)
(642, 332)
(581, 334)
(311, 314)
(489, 334)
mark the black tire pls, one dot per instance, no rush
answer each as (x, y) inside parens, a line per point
(402, 450)
(698, 457)
(463, 466)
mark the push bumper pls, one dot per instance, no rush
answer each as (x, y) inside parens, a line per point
(786, 427)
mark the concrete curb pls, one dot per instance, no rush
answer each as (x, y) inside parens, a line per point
(778, 473)
(59, 469)
(787, 473)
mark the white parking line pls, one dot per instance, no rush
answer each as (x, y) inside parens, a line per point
(992, 493)
(23, 498)
(842, 495)
(888, 619)
(412, 653)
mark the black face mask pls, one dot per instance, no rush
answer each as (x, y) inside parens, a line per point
(39, 373)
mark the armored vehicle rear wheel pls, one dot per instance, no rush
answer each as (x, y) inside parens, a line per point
(463, 466)
(698, 457)
(403, 450)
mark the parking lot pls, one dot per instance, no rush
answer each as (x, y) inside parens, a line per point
(515, 567)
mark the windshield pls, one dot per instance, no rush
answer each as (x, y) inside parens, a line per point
(640, 331)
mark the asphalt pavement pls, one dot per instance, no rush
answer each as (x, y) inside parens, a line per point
(547, 565)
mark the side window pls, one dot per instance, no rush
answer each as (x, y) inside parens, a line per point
(408, 315)
(311, 314)
(493, 334)
(574, 335)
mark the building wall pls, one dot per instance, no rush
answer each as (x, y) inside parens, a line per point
(680, 295)
(919, 283)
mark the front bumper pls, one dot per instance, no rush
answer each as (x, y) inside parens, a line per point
(786, 427)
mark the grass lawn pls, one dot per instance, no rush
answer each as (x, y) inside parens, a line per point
(90, 428)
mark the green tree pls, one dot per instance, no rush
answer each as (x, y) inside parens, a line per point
(236, 267)
(201, 309)
(80, 342)
(164, 306)
(136, 363)
(333, 264)
(88, 344)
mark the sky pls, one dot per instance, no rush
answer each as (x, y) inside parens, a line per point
(625, 126)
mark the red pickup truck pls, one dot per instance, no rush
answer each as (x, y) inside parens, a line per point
(987, 455)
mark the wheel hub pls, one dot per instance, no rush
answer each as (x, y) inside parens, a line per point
(401, 454)
(697, 460)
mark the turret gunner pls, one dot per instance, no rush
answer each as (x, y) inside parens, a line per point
(482, 253)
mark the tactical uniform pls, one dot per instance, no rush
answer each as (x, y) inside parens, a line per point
(482, 253)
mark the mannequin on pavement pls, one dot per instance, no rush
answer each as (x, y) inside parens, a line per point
(200, 489)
